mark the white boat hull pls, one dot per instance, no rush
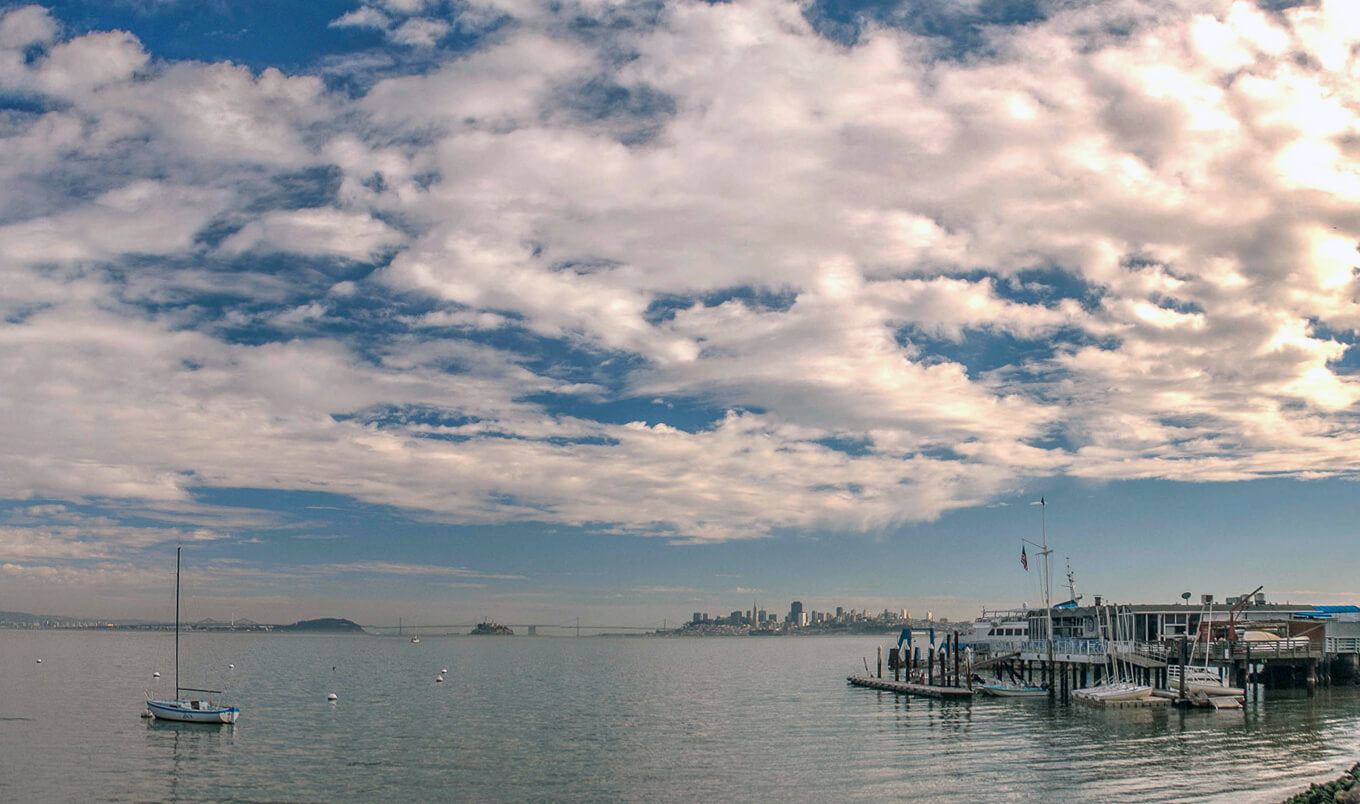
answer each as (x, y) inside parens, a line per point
(1115, 692)
(1203, 682)
(1011, 691)
(193, 712)
(1213, 690)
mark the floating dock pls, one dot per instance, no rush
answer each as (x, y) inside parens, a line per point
(908, 688)
(1150, 702)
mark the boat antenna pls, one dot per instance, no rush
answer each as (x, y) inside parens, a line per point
(177, 550)
(1071, 584)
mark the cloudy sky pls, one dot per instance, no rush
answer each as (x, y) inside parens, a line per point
(530, 310)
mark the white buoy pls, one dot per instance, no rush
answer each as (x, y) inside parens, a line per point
(438, 679)
(444, 672)
(231, 666)
(156, 674)
(40, 661)
(332, 697)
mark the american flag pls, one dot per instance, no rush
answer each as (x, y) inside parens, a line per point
(1024, 559)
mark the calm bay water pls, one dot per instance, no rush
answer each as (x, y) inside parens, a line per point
(591, 719)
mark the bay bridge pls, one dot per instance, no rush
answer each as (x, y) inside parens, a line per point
(576, 628)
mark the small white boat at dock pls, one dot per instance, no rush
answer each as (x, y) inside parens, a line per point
(1116, 691)
(1012, 691)
(1203, 681)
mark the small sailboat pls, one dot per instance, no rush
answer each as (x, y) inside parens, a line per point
(1202, 679)
(1201, 684)
(1119, 684)
(189, 710)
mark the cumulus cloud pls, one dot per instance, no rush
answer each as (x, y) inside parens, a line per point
(315, 231)
(885, 284)
(26, 25)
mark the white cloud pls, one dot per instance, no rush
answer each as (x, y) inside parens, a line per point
(315, 231)
(363, 17)
(91, 61)
(25, 26)
(393, 568)
(420, 32)
(1095, 255)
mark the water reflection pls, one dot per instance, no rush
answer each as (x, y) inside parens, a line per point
(190, 751)
(1149, 754)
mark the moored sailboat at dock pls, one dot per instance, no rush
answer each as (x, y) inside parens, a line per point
(1119, 684)
(1201, 680)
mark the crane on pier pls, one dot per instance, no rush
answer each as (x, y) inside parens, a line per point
(1236, 609)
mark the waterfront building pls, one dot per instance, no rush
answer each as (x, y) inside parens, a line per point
(1250, 638)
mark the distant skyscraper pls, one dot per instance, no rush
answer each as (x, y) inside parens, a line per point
(697, 618)
(796, 612)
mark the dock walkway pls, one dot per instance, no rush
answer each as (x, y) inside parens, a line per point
(908, 688)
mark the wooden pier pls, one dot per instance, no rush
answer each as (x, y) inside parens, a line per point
(908, 688)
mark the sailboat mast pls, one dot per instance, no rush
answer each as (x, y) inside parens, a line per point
(177, 550)
(1048, 592)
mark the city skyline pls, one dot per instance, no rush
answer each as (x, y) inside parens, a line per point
(536, 311)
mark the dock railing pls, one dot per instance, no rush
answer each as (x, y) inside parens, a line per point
(1097, 650)
(1282, 649)
(995, 647)
(1337, 645)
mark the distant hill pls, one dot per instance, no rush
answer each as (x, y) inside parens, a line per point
(23, 618)
(330, 625)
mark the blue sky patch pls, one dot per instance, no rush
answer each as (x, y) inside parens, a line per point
(1349, 362)
(958, 29)
(665, 306)
(849, 445)
(1047, 287)
(1178, 305)
(400, 416)
(288, 34)
(981, 351)
(310, 187)
(688, 415)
